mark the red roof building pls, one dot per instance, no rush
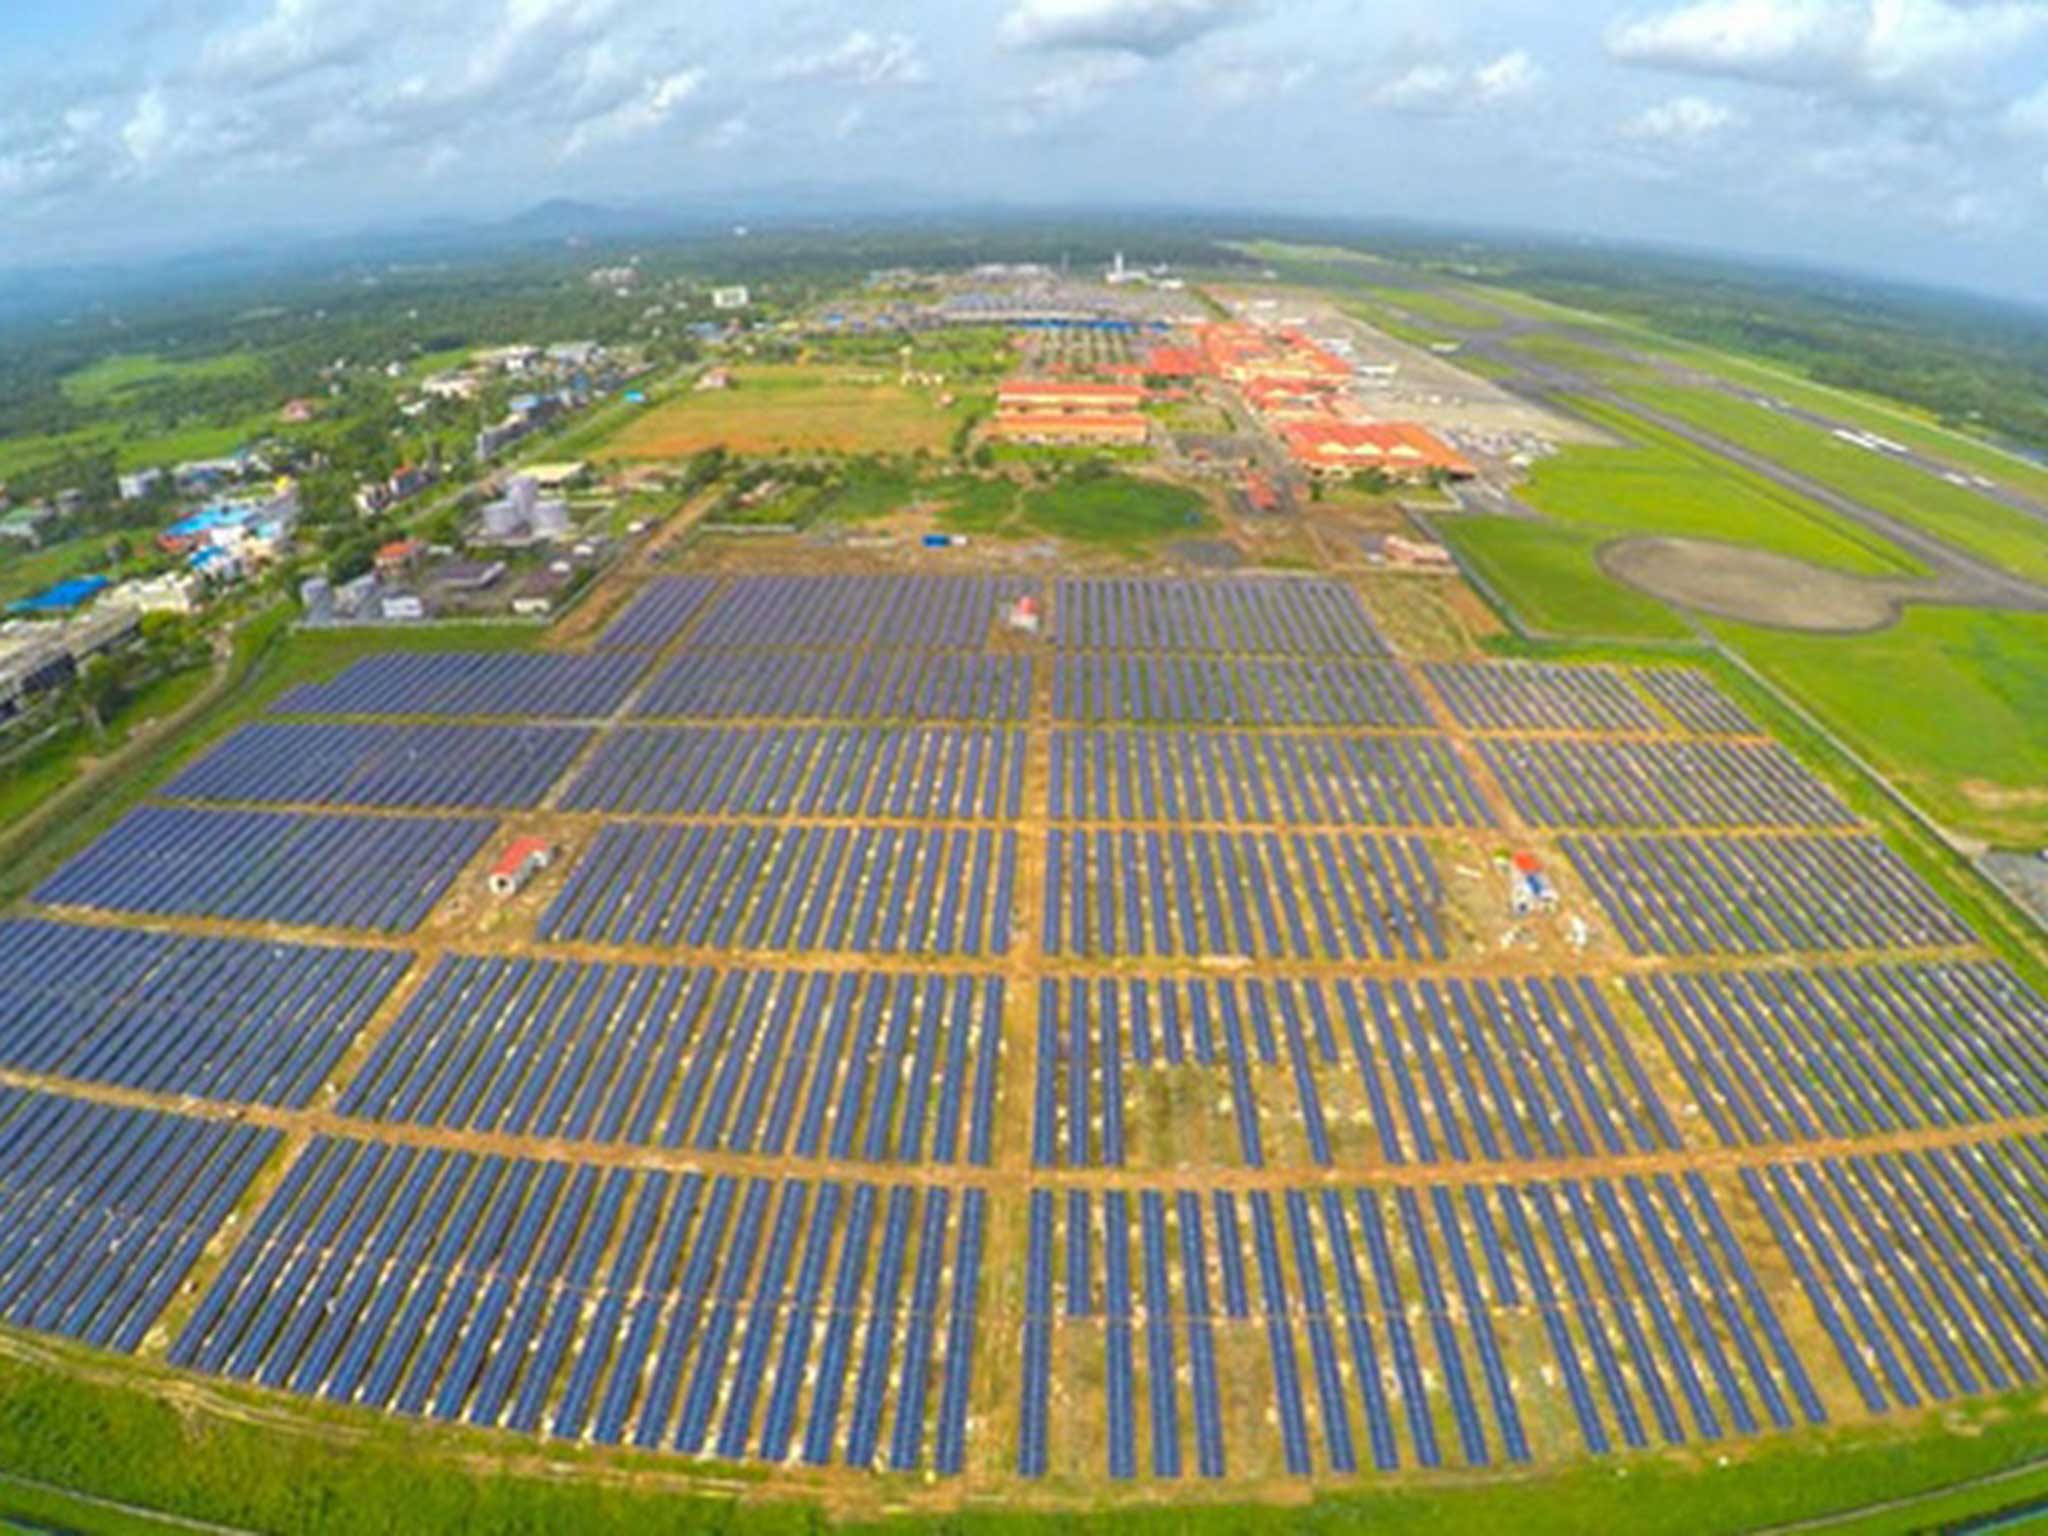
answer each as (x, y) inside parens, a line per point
(1043, 397)
(1400, 449)
(527, 857)
(1058, 428)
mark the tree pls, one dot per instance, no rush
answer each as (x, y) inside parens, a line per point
(101, 687)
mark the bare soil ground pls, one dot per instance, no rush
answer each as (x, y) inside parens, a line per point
(1732, 581)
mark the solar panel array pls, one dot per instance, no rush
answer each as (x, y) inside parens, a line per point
(660, 614)
(888, 890)
(889, 685)
(1924, 1267)
(843, 1066)
(330, 871)
(507, 683)
(104, 1209)
(1177, 689)
(1234, 891)
(1255, 617)
(848, 771)
(1389, 1324)
(1697, 701)
(1317, 896)
(1534, 696)
(1803, 1055)
(170, 1013)
(1558, 782)
(495, 767)
(1397, 1072)
(1414, 781)
(1761, 895)
(626, 1308)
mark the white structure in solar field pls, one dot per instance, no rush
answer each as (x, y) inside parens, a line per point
(527, 857)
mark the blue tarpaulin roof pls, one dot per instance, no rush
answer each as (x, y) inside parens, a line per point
(64, 595)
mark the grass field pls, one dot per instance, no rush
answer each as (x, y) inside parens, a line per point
(1115, 512)
(27, 571)
(788, 409)
(1951, 703)
(106, 381)
(969, 505)
(1438, 308)
(1548, 573)
(1998, 534)
(1662, 485)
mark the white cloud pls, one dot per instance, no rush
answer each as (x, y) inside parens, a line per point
(147, 133)
(1510, 75)
(2029, 115)
(1682, 120)
(863, 58)
(728, 133)
(1153, 28)
(1246, 82)
(639, 115)
(1439, 88)
(1070, 92)
(293, 37)
(1919, 51)
(849, 122)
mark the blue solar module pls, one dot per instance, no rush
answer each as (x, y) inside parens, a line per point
(576, 1051)
(1569, 782)
(823, 685)
(1537, 696)
(1263, 616)
(871, 772)
(586, 1305)
(222, 1018)
(1696, 701)
(1179, 689)
(937, 612)
(1761, 895)
(431, 767)
(700, 886)
(659, 614)
(1234, 777)
(1803, 1055)
(369, 872)
(500, 683)
(104, 1210)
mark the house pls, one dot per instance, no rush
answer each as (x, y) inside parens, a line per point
(526, 858)
(173, 592)
(140, 484)
(398, 558)
(28, 525)
(734, 297)
(298, 411)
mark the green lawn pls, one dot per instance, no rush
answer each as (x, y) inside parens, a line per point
(1438, 308)
(1998, 534)
(1662, 485)
(1547, 572)
(971, 505)
(24, 572)
(1115, 512)
(1952, 704)
(106, 381)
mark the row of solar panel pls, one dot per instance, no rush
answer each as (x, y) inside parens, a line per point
(1805, 1055)
(778, 1063)
(1672, 1315)
(1268, 617)
(1219, 776)
(1927, 1269)
(1438, 1071)
(659, 613)
(1210, 690)
(1135, 893)
(523, 685)
(477, 1289)
(104, 1210)
(487, 767)
(1539, 696)
(829, 685)
(382, 873)
(920, 772)
(1761, 895)
(167, 1013)
(893, 890)
(1560, 782)
(936, 612)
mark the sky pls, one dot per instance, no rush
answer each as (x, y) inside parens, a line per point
(1907, 137)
